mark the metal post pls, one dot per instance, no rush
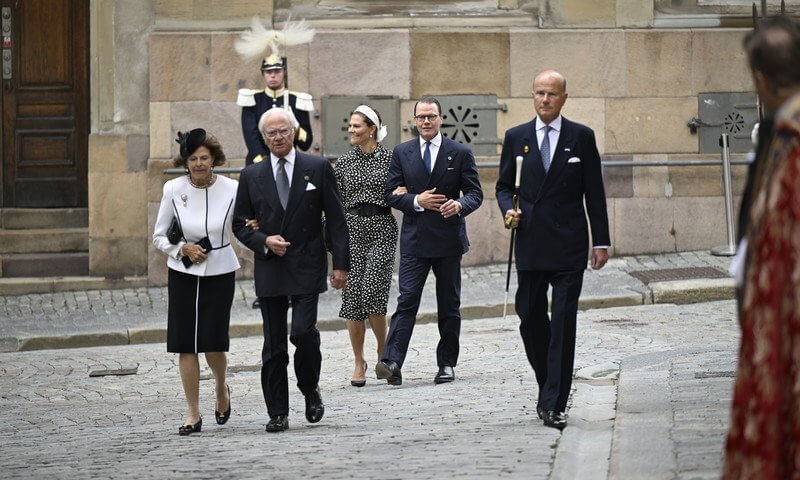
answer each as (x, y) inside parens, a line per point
(729, 249)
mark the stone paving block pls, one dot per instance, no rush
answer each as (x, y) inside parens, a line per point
(691, 291)
(73, 341)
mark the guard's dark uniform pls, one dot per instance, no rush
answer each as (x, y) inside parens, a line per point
(264, 100)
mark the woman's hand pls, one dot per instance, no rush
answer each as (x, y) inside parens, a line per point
(195, 252)
(252, 223)
(401, 190)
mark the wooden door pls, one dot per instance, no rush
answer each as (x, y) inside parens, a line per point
(45, 103)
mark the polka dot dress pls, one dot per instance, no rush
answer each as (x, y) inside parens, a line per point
(362, 179)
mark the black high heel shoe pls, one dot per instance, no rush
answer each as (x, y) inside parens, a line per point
(360, 383)
(222, 418)
(189, 429)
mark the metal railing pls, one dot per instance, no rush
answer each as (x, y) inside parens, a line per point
(606, 163)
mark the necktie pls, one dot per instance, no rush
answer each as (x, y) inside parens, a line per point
(545, 148)
(426, 157)
(282, 183)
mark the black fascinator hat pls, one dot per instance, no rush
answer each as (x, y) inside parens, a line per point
(190, 141)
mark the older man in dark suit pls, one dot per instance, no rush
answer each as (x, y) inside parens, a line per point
(287, 195)
(434, 171)
(560, 171)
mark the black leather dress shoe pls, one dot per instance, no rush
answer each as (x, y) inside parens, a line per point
(390, 371)
(446, 374)
(256, 304)
(189, 429)
(223, 417)
(278, 423)
(314, 407)
(554, 419)
(539, 411)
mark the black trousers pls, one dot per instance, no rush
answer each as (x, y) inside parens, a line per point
(411, 278)
(549, 341)
(274, 355)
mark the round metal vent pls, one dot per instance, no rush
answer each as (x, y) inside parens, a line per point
(460, 123)
(733, 122)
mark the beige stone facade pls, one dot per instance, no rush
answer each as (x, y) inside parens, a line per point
(159, 66)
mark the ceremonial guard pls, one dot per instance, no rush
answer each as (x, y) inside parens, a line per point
(276, 93)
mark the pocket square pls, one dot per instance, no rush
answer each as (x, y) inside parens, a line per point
(310, 186)
(574, 160)
(451, 168)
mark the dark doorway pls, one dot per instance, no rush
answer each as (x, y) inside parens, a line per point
(45, 101)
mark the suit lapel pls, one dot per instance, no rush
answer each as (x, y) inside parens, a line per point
(559, 156)
(417, 166)
(443, 160)
(298, 186)
(266, 185)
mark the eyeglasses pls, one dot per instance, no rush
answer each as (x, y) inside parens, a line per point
(422, 118)
(283, 132)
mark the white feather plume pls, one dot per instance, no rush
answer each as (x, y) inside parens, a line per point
(258, 39)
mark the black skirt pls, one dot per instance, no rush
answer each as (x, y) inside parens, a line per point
(199, 312)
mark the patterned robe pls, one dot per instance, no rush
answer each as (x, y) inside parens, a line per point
(764, 435)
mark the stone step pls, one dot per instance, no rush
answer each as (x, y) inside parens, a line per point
(44, 240)
(29, 285)
(23, 218)
(44, 264)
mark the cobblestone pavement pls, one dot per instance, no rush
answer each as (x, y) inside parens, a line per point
(646, 377)
(120, 311)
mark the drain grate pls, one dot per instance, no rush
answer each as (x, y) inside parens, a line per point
(666, 274)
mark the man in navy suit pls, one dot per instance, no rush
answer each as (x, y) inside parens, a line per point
(560, 171)
(441, 188)
(287, 193)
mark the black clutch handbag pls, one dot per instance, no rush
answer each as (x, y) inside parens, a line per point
(174, 232)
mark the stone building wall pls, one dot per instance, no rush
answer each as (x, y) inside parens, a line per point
(636, 87)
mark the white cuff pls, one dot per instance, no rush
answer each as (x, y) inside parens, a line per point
(416, 204)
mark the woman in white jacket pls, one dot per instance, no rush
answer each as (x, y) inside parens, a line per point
(201, 268)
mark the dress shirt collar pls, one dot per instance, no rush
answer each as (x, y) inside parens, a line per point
(289, 158)
(555, 124)
(435, 141)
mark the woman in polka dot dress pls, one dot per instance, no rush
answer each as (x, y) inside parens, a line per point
(361, 174)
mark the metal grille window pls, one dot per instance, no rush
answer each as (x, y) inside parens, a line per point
(731, 113)
(471, 120)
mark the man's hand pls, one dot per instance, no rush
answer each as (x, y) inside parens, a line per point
(401, 190)
(599, 258)
(195, 252)
(512, 218)
(450, 208)
(252, 223)
(277, 245)
(430, 200)
(338, 278)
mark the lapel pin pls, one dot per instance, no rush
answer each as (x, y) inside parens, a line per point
(305, 178)
(184, 197)
(525, 149)
(449, 158)
(566, 149)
